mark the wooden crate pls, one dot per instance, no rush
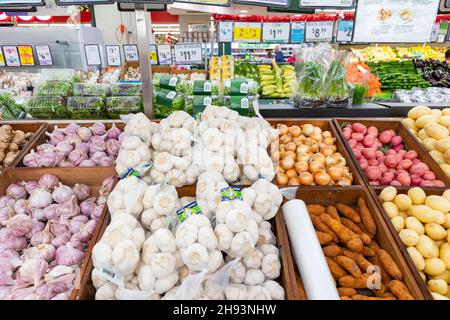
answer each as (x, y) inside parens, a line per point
(404, 190)
(26, 126)
(92, 177)
(42, 137)
(128, 64)
(385, 238)
(408, 140)
(287, 278)
(325, 124)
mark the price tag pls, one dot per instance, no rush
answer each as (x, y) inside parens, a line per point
(434, 33)
(188, 53)
(2, 58)
(165, 54)
(276, 32)
(153, 54)
(44, 55)
(92, 54)
(317, 31)
(345, 31)
(113, 56)
(442, 33)
(26, 55)
(11, 56)
(225, 31)
(298, 32)
(247, 32)
(131, 52)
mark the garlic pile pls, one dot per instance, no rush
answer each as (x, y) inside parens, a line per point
(45, 229)
(208, 193)
(264, 198)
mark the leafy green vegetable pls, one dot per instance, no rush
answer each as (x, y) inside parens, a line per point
(310, 81)
(116, 106)
(9, 108)
(335, 88)
(126, 89)
(55, 88)
(240, 86)
(86, 107)
(91, 89)
(246, 70)
(40, 107)
(166, 101)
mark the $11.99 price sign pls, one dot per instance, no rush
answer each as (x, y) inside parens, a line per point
(188, 53)
(319, 31)
(276, 32)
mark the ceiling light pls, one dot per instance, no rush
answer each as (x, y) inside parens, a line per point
(243, 11)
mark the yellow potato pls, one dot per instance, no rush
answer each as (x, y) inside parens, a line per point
(417, 195)
(438, 286)
(438, 217)
(443, 145)
(444, 254)
(403, 202)
(437, 156)
(417, 258)
(446, 224)
(419, 111)
(399, 223)
(388, 194)
(422, 274)
(435, 231)
(436, 112)
(448, 235)
(391, 209)
(446, 194)
(446, 168)
(423, 213)
(435, 130)
(444, 120)
(445, 112)
(403, 214)
(434, 266)
(409, 237)
(429, 144)
(445, 276)
(427, 247)
(439, 243)
(410, 123)
(437, 296)
(422, 121)
(414, 224)
(422, 135)
(438, 203)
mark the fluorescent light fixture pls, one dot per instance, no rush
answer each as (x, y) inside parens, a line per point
(243, 11)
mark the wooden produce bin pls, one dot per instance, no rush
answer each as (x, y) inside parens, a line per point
(129, 64)
(408, 139)
(42, 137)
(26, 126)
(92, 177)
(325, 125)
(404, 190)
(385, 238)
(287, 278)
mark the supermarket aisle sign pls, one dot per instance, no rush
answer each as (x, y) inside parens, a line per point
(113, 55)
(298, 32)
(44, 55)
(345, 31)
(11, 56)
(276, 32)
(225, 31)
(190, 53)
(131, 53)
(153, 54)
(395, 21)
(319, 31)
(247, 32)
(165, 54)
(26, 55)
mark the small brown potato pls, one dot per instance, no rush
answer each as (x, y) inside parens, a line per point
(351, 225)
(348, 265)
(332, 250)
(368, 252)
(352, 282)
(336, 271)
(366, 217)
(348, 212)
(345, 298)
(355, 245)
(362, 263)
(389, 265)
(332, 211)
(362, 297)
(316, 209)
(345, 291)
(399, 290)
(324, 238)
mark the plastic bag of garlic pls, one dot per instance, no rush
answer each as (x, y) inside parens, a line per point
(179, 148)
(151, 246)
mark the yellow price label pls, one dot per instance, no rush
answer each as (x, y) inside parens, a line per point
(247, 32)
(26, 55)
(2, 60)
(153, 56)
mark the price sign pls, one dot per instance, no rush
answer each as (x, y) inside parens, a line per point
(225, 31)
(26, 55)
(298, 32)
(188, 53)
(113, 56)
(317, 31)
(92, 52)
(165, 54)
(442, 32)
(247, 32)
(2, 58)
(434, 33)
(153, 54)
(326, 3)
(44, 55)
(11, 56)
(345, 31)
(276, 32)
(131, 52)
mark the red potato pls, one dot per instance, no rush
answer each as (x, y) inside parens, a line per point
(359, 144)
(381, 159)
(363, 163)
(396, 183)
(391, 132)
(417, 169)
(398, 147)
(415, 179)
(369, 153)
(373, 131)
(404, 164)
(393, 170)
(398, 158)
(372, 173)
(390, 152)
(385, 137)
(349, 126)
(411, 154)
(358, 127)
(352, 143)
(390, 161)
(383, 169)
(427, 183)
(387, 178)
(379, 154)
(357, 136)
(373, 162)
(368, 140)
(415, 161)
(397, 172)
(402, 153)
(439, 183)
(404, 179)
(429, 175)
(378, 144)
(347, 135)
(360, 148)
(396, 140)
(357, 153)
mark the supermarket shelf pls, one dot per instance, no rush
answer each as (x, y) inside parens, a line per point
(409, 105)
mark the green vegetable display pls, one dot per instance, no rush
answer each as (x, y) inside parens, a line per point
(86, 107)
(169, 82)
(397, 75)
(117, 106)
(359, 92)
(244, 105)
(310, 84)
(40, 107)
(246, 70)
(199, 103)
(55, 88)
(201, 87)
(166, 101)
(9, 109)
(126, 89)
(335, 89)
(240, 86)
(91, 89)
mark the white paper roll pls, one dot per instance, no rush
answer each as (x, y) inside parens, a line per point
(316, 276)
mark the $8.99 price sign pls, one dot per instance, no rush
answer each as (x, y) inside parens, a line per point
(247, 32)
(188, 53)
(319, 31)
(276, 32)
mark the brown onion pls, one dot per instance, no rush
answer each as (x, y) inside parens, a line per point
(321, 178)
(291, 173)
(294, 182)
(306, 178)
(336, 173)
(301, 166)
(282, 179)
(287, 163)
